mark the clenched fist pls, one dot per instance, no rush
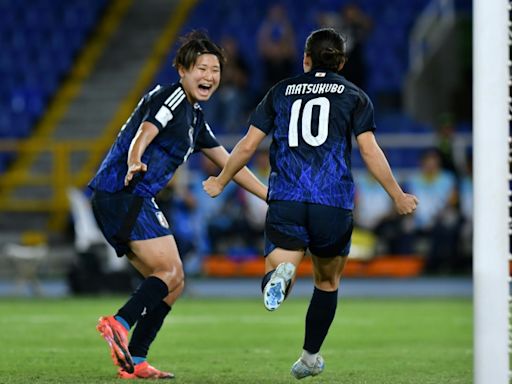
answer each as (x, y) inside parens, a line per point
(406, 204)
(212, 186)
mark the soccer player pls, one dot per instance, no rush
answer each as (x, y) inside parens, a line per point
(164, 129)
(311, 118)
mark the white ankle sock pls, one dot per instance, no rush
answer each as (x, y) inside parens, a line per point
(309, 358)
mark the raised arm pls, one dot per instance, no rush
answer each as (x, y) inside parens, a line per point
(144, 136)
(378, 166)
(233, 166)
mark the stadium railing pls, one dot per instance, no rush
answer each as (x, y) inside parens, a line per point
(55, 179)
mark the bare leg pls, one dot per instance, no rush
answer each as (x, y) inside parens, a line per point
(328, 271)
(160, 258)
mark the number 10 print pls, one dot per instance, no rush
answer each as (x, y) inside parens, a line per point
(307, 115)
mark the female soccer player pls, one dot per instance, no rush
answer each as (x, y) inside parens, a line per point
(311, 192)
(163, 130)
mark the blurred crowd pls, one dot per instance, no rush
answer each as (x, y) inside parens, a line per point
(441, 228)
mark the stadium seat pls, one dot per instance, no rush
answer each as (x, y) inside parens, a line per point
(39, 40)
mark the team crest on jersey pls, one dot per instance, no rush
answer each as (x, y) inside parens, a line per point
(161, 219)
(320, 74)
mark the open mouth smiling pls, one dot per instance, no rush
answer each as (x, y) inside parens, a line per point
(205, 87)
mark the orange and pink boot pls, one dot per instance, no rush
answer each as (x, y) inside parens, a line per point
(116, 336)
(144, 371)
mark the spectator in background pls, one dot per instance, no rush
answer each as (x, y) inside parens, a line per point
(276, 45)
(436, 220)
(212, 222)
(374, 212)
(203, 226)
(451, 149)
(372, 202)
(355, 25)
(466, 210)
(228, 106)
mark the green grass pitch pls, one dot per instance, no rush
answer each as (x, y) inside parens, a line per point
(372, 341)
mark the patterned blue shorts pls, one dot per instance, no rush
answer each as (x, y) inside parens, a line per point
(123, 217)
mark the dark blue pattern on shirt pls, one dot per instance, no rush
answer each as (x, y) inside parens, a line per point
(316, 174)
(182, 130)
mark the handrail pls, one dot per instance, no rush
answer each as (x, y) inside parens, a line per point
(430, 28)
(56, 179)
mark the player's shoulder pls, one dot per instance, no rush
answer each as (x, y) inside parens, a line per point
(160, 91)
(359, 96)
(281, 88)
(282, 84)
(170, 95)
(350, 87)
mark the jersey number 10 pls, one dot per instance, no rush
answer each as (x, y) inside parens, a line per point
(307, 116)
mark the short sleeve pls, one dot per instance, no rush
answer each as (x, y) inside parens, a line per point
(160, 107)
(363, 117)
(264, 114)
(206, 138)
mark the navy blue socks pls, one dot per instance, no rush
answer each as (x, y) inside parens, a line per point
(146, 330)
(147, 297)
(319, 317)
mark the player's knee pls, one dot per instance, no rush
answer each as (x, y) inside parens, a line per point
(176, 290)
(179, 287)
(175, 293)
(327, 283)
(172, 275)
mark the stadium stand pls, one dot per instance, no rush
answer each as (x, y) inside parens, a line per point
(42, 41)
(385, 52)
(39, 41)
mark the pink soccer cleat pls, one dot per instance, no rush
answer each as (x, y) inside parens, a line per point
(145, 371)
(117, 338)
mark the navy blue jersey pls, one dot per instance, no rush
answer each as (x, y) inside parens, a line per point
(312, 118)
(182, 130)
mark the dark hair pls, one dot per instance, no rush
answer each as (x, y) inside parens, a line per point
(326, 47)
(193, 45)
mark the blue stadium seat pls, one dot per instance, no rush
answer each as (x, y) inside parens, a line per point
(37, 50)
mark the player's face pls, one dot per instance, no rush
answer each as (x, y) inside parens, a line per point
(202, 79)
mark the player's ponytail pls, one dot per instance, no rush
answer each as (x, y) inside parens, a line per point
(326, 47)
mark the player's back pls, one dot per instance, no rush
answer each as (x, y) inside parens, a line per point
(314, 116)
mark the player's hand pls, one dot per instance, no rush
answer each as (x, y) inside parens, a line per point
(406, 204)
(133, 169)
(212, 186)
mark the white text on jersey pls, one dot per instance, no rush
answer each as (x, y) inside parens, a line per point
(305, 88)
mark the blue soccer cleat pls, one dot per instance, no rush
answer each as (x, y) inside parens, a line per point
(274, 292)
(301, 370)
